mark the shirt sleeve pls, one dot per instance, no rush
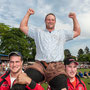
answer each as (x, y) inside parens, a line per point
(32, 32)
(68, 35)
(34, 86)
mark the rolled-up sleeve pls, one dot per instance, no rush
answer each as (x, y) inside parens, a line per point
(68, 35)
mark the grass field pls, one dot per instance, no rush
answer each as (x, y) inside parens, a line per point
(84, 79)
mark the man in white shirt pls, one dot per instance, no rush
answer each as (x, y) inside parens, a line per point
(50, 47)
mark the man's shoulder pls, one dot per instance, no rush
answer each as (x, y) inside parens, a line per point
(79, 79)
(1, 77)
(5, 74)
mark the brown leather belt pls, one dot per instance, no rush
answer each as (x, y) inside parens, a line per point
(44, 64)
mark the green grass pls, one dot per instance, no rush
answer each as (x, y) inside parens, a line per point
(44, 85)
(86, 80)
(82, 70)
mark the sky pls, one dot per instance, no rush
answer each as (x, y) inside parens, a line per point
(13, 11)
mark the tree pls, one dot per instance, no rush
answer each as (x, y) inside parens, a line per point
(86, 50)
(12, 39)
(3, 29)
(67, 53)
(88, 55)
(82, 58)
(32, 48)
(80, 52)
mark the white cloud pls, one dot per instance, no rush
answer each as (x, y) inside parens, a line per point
(84, 20)
(43, 8)
(61, 25)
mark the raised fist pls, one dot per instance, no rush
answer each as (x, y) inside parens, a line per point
(72, 15)
(30, 11)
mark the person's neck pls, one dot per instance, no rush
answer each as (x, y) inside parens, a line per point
(72, 79)
(50, 30)
(15, 74)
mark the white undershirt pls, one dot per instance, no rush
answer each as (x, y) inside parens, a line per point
(12, 80)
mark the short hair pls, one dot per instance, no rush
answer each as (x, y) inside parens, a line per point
(50, 14)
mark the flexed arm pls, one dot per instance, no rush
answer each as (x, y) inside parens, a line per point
(24, 23)
(76, 26)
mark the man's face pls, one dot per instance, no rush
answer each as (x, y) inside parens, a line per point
(50, 22)
(71, 70)
(15, 64)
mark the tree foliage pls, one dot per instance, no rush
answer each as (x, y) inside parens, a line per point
(80, 52)
(67, 53)
(86, 50)
(84, 55)
(12, 39)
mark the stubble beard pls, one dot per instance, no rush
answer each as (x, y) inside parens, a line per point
(17, 71)
(50, 28)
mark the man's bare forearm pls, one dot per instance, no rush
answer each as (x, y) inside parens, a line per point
(24, 23)
(76, 26)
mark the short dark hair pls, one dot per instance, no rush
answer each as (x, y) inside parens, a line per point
(50, 14)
